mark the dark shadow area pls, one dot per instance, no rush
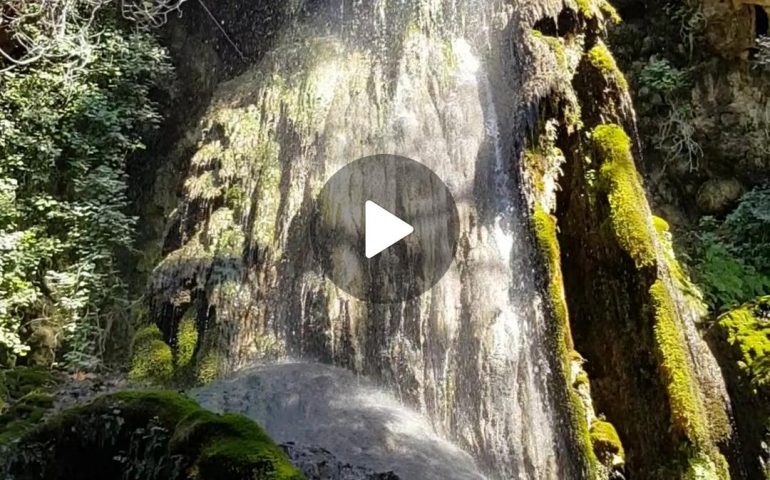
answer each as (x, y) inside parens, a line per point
(761, 22)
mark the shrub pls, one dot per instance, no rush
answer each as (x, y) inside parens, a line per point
(659, 76)
(732, 257)
(68, 122)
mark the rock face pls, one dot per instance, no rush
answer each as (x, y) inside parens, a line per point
(488, 354)
(440, 82)
(713, 124)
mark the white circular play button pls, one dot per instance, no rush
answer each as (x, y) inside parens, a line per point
(385, 229)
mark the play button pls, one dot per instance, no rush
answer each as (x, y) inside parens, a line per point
(385, 229)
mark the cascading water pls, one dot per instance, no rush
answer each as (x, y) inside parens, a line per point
(443, 82)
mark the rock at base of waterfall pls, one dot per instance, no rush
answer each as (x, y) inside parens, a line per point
(320, 464)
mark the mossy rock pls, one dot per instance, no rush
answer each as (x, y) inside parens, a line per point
(605, 440)
(19, 381)
(147, 435)
(747, 330)
(620, 181)
(151, 359)
(25, 399)
(601, 58)
(687, 413)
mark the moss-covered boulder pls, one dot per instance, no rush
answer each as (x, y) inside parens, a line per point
(146, 435)
(25, 398)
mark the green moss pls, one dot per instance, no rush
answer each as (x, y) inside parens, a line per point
(23, 415)
(619, 179)
(687, 414)
(661, 226)
(605, 440)
(20, 381)
(151, 357)
(683, 282)
(548, 244)
(601, 59)
(235, 198)
(545, 232)
(747, 330)
(586, 8)
(27, 398)
(173, 430)
(208, 369)
(581, 379)
(555, 45)
(608, 12)
(701, 467)
(187, 339)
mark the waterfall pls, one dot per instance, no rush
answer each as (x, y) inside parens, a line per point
(446, 83)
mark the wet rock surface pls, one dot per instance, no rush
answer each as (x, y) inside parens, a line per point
(320, 464)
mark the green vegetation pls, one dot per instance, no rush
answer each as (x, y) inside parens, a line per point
(156, 362)
(556, 45)
(152, 359)
(731, 258)
(25, 398)
(605, 440)
(545, 230)
(661, 77)
(587, 9)
(686, 411)
(619, 179)
(675, 268)
(147, 435)
(548, 244)
(69, 120)
(187, 340)
(609, 12)
(747, 330)
(601, 58)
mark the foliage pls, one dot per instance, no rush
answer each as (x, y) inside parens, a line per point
(68, 123)
(25, 397)
(660, 76)
(748, 229)
(732, 257)
(727, 280)
(148, 435)
(65, 30)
